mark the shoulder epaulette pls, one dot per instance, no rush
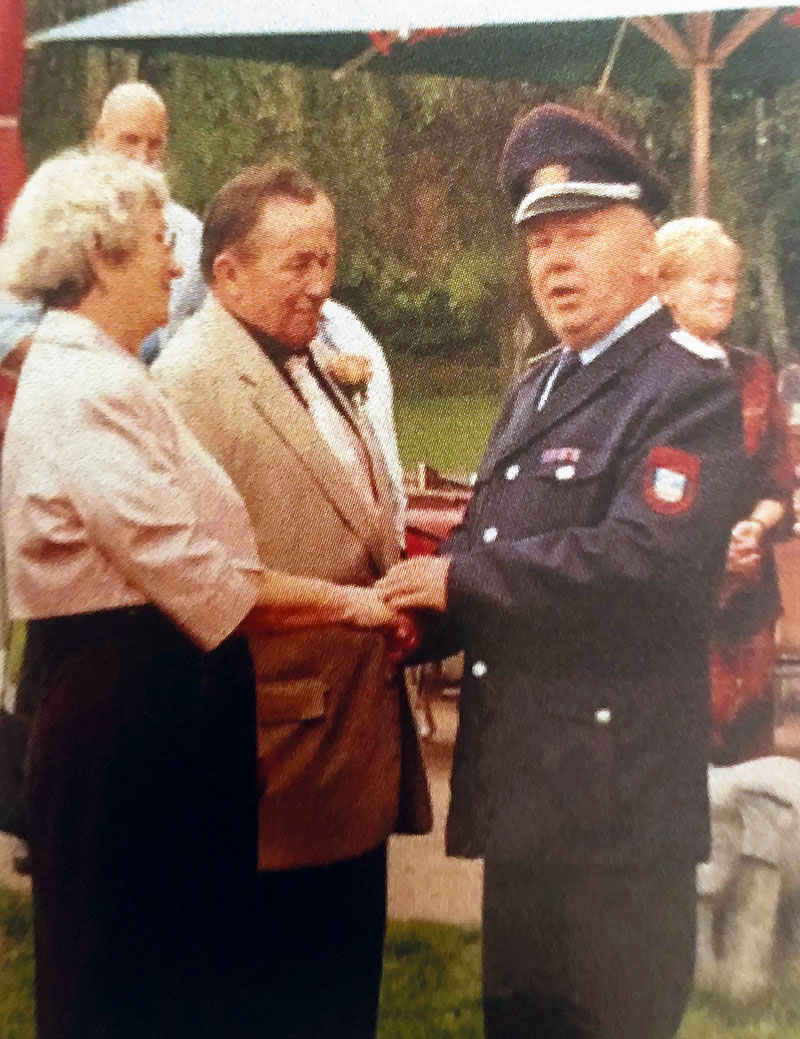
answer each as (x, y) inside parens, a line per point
(698, 347)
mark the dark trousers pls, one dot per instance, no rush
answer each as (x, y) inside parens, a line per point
(317, 948)
(573, 952)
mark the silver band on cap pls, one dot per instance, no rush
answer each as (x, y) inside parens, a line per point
(573, 195)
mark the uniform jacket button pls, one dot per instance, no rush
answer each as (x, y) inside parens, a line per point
(479, 669)
(602, 716)
(512, 472)
(489, 535)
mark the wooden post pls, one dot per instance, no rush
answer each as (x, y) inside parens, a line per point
(695, 52)
(701, 137)
(699, 30)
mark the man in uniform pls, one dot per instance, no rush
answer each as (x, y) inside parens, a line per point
(581, 584)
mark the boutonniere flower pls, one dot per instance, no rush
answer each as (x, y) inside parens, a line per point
(350, 372)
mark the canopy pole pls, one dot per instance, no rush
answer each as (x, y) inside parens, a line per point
(694, 51)
(699, 31)
(602, 86)
(701, 137)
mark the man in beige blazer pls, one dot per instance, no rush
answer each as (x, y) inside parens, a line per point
(339, 762)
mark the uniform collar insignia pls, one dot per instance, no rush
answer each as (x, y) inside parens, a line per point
(557, 455)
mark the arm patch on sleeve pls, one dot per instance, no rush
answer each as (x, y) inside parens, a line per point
(671, 478)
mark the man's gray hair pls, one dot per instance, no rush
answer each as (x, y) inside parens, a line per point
(75, 205)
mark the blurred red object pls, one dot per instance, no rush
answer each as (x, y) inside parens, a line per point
(12, 50)
(383, 42)
(8, 387)
(436, 504)
(404, 641)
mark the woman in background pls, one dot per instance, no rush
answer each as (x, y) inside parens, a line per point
(698, 274)
(131, 556)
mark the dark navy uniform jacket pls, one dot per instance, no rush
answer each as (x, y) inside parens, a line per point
(582, 585)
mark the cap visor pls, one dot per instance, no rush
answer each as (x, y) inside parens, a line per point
(573, 196)
(560, 204)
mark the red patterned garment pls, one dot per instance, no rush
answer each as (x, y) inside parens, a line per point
(743, 650)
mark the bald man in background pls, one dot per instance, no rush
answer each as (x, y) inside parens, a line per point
(133, 122)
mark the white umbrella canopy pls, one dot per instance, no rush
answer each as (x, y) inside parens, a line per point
(182, 19)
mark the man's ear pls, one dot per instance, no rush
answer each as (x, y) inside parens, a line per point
(648, 266)
(226, 270)
(665, 292)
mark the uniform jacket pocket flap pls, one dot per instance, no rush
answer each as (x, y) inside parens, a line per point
(593, 715)
(299, 699)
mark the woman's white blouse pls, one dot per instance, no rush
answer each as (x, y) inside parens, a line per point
(107, 498)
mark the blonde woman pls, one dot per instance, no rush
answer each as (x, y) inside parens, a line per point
(698, 274)
(132, 558)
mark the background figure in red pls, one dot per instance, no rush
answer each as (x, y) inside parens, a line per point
(698, 271)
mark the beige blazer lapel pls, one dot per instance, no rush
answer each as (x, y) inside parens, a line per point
(383, 482)
(280, 408)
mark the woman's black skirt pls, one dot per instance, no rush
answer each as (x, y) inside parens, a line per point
(142, 824)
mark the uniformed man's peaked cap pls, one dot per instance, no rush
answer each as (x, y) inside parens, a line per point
(558, 159)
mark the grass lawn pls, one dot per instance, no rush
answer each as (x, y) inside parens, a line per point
(431, 987)
(448, 430)
(431, 983)
(432, 990)
(444, 412)
(16, 966)
(776, 1016)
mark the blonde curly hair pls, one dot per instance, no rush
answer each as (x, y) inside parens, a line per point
(75, 205)
(681, 242)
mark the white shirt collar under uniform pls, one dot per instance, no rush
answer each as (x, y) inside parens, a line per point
(707, 349)
(591, 353)
(628, 323)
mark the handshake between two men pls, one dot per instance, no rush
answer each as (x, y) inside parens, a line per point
(413, 584)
